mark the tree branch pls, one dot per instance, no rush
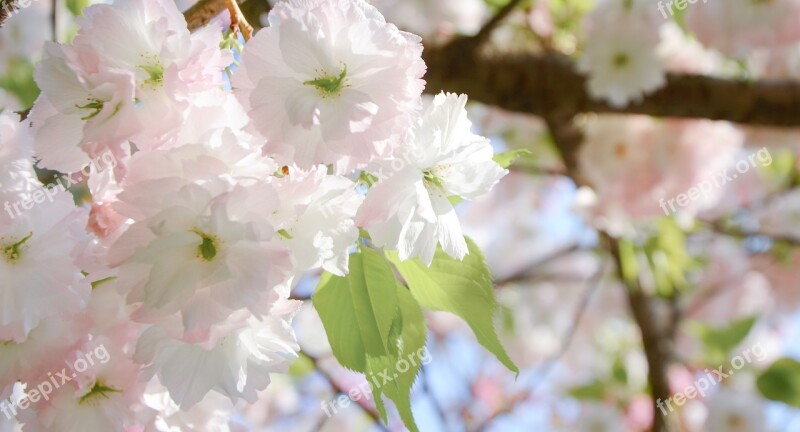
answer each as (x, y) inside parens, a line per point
(485, 32)
(593, 284)
(655, 339)
(202, 12)
(338, 389)
(205, 10)
(740, 234)
(548, 85)
(238, 21)
(7, 8)
(253, 10)
(529, 272)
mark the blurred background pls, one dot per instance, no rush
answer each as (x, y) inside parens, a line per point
(646, 248)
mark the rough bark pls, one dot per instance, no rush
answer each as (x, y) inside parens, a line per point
(548, 84)
(7, 8)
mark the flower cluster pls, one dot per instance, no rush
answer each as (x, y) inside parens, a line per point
(621, 51)
(223, 194)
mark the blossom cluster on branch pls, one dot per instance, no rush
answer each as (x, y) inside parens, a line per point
(220, 196)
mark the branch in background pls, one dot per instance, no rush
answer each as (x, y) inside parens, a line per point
(508, 407)
(485, 32)
(738, 233)
(202, 12)
(205, 10)
(527, 274)
(593, 284)
(568, 138)
(548, 85)
(537, 170)
(655, 339)
(253, 10)
(7, 8)
(339, 390)
(427, 388)
(54, 19)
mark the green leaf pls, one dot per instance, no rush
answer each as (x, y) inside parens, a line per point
(375, 327)
(464, 288)
(781, 382)
(619, 372)
(18, 80)
(628, 263)
(499, 4)
(302, 367)
(76, 6)
(496, 4)
(669, 260)
(720, 341)
(358, 310)
(506, 159)
(410, 333)
(782, 169)
(595, 390)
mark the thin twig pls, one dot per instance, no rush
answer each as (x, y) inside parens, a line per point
(485, 32)
(532, 269)
(538, 170)
(339, 389)
(507, 408)
(593, 284)
(738, 233)
(238, 21)
(54, 19)
(428, 389)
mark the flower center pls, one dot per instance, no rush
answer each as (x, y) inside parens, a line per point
(621, 60)
(154, 70)
(208, 246)
(13, 252)
(99, 391)
(155, 73)
(94, 106)
(329, 85)
(430, 179)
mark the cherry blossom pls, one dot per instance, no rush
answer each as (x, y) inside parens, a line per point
(323, 65)
(410, 209)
